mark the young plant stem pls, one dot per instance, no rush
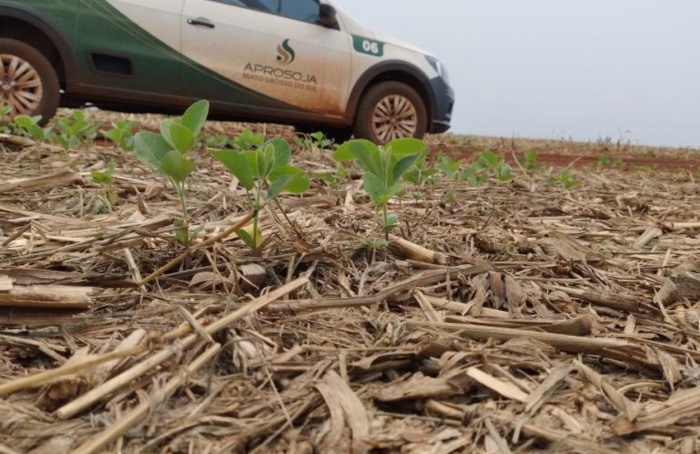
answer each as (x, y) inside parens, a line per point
(180, 188)
(256, 210)
(386, 222)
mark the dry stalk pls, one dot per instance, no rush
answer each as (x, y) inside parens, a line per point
(617, 399)
(126, 377)
(389, 293)
(134, 416)
(42, 378)
(560, 341)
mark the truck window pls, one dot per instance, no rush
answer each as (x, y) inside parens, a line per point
(303, 10)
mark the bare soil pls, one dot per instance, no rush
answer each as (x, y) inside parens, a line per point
(513, 317)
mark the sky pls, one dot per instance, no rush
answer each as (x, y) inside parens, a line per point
(575, 69)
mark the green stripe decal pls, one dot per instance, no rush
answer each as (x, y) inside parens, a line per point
(368, 46)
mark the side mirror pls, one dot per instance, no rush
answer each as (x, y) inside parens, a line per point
(328, 16)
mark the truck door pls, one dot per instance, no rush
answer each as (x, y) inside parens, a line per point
(132, 45)
(273, 48)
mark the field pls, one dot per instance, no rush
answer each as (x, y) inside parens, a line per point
(550, 308)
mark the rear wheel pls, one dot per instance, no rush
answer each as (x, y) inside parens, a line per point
(391, 110)
(28, 81)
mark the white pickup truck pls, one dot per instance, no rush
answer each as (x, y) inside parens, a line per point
(298, 62)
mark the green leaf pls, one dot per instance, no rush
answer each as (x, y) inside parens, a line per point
(491, 159)
(265, 160)
(238, 165)
(404, 165)
(255, 162)
(112, 197)
(177, 167)
(278, 186)
(429, 172)
(530, 159)
(165, 129)
(375, 188)
(503, 172)
(101, 178)
(113, 135)
(369, 158)
(180, 138)
(407, 146)
(31, 126)
(288, 178)
(282, 152)
(345, 151)
(150, 149)
(182, 234)
(195, 116)
(393, 190)
(63, 142)
(479, 167)
(247, 238)
(328, 177)
(248, 140)
(450, 167)
(392, 219)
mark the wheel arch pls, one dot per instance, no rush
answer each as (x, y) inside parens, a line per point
(397, 71)
(29, 26)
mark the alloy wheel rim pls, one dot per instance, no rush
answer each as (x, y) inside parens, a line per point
(20, 85)
(394, 117)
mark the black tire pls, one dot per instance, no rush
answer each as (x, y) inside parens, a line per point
(408, 116)
(33, 90)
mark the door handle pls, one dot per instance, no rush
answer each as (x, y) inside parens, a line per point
(202, 22)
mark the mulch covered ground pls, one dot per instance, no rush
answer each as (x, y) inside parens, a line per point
(514, 317)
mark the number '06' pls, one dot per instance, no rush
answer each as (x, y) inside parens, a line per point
(370, 47)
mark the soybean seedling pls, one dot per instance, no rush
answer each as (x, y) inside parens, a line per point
(451, 169)
(264, 173)
(70, 131)
(109, 197)
(248, 140)
(420, 174)
(565, 179)
(384, 169)
(166, 154)
(314, 141)
(528, 161)
(122, 134)
(27, 126)
(490, 161)
(335, 179)
(216, 141)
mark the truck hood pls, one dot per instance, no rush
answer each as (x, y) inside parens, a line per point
(398, 43)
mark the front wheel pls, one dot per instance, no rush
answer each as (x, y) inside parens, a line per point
(28, 81)
(391, 110)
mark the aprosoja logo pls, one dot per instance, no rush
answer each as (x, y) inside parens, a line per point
(286, 54)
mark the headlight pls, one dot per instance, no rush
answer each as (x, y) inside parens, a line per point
(438, 67)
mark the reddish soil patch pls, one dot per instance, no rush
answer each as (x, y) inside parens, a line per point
(569, 159)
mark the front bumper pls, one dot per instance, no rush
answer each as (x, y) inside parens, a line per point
(444, 101)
